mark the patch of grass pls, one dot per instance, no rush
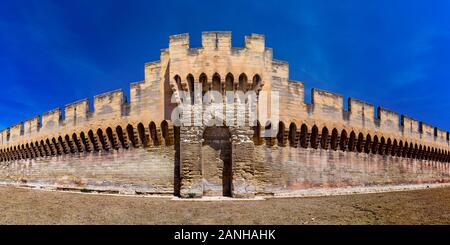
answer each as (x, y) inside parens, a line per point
(84, 190)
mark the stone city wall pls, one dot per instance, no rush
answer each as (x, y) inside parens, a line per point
(133, 146)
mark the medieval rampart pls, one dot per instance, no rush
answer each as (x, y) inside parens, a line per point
(133, 146)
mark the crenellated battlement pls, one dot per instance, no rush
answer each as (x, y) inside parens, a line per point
(143, 123)
(388, 120)
(31, 126)
(361, 113)
(76, 112)
(51, 120)
(216, 41)
(327, 104)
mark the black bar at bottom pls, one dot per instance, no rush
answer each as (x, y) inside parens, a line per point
(211, 234)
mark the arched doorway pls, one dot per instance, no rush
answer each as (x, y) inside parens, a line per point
(217, 161)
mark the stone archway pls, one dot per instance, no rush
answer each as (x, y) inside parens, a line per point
(217, 162)
(203, 154)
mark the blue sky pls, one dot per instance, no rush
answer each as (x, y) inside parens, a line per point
(390, 53)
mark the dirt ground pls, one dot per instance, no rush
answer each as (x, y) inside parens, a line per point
(30, 206)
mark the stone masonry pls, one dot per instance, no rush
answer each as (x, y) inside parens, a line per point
(136, 147)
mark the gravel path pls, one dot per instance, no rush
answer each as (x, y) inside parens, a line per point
(30, 206)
